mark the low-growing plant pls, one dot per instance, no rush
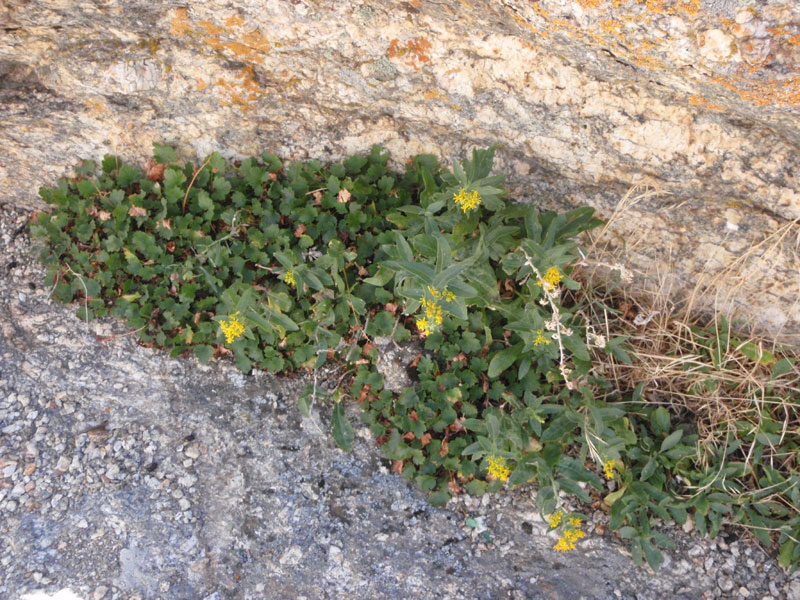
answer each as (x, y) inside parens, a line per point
(286, 268)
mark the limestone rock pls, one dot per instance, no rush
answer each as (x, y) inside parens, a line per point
(697, 100)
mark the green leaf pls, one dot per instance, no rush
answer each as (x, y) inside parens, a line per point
(660, 420)
(476, 487)
(341, 428)
(653, 555)
(381, 278)
(671, 440)
(757, 354)
(304, 404)
(783, 366)
(785, 554)
(164, 154)
(503, 359)
(204, 353)
(611, 498)
(439, 498)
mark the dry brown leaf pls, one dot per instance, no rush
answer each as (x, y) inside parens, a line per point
(165, 224)
(409, 436)
(425, 439)
(397, 466)
(155, 171)
(301, 229)
(444, 449)
(137, 211)
(103, 215)
(343, 196)
(454, 487)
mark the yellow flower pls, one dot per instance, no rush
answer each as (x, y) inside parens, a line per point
(573, 535)
(555, 519)
(551, 279)
(608, 469)
(432, 310)
(424, 327)
(449, 296)
(540, 339)
(498, 469)
(564, 545)
(570, 535)
(434, 292)
(233, 328)
(467, 200)
(288, 277)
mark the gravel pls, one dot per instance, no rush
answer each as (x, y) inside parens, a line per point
(125, 474)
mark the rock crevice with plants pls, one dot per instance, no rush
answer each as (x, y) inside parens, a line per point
(285, 268)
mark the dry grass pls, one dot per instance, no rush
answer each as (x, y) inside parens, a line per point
(724, 383)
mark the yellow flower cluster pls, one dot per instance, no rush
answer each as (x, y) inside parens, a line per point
(498, 468)
(608, 469)
(555, 519)
(233, 328)
(540, 339)
(551, 279)
(569, 536)
(432, 319)
(446, 294)
(288, 277)
(466, 201)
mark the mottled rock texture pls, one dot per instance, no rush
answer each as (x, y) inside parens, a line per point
(699, 99)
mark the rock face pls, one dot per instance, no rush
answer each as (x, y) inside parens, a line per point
(699, 100)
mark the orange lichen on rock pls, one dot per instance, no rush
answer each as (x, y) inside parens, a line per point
(210, 28)
(234, 21)
(232, 39)
(590, 3)
(415, 51)
(243, 93)
(180, 23)
(611, 27)
(670, 7)
(696, 100)
(780, 92)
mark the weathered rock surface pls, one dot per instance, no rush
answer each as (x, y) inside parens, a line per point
(699, 99)
(127, 475)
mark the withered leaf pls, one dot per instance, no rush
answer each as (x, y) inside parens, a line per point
(155, 171)
(425, 439)
(397, 466)
(409, 435)
(343, 196)
(444, 449)
(301, 229)
(137, 211)
(454, 487)
(103, 215)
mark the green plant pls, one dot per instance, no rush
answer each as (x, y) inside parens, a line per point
(285, 268)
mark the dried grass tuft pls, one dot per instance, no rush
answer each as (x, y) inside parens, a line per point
(724, 383)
